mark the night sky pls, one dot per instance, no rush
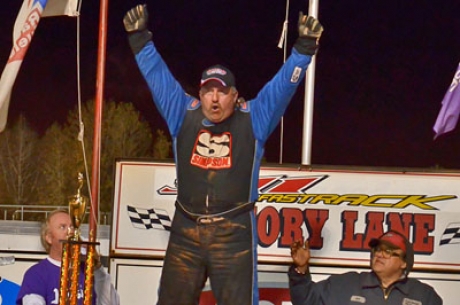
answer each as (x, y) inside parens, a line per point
(381, 72)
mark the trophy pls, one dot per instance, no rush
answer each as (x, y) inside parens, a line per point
(72, 256)
(77, 207)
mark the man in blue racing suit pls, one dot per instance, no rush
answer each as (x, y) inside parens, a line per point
(218, 145)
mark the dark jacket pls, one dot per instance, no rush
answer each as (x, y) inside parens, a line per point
(358, 288)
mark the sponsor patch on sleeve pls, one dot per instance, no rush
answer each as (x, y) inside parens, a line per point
(194, 104)
(296, 75)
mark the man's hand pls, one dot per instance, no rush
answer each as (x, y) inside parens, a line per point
(135, 22)
(309, 27)
(310, 31)
(300, 253)
(135, 19)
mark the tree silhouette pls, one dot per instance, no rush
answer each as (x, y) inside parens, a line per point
(18, 160)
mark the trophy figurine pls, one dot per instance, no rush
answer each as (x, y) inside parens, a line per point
(77, 207)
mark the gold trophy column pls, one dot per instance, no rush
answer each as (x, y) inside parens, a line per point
(71, 254)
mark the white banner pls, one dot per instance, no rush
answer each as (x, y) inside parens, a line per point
(24, 28)
(338, 211)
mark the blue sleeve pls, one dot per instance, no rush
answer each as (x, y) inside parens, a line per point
(168, 95)
(271, 102)
(8, 292)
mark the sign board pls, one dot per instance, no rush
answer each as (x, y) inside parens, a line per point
(338, 211)
(137, 282)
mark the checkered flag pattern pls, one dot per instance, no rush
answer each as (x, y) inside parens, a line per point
(149, 218)
(451, 234)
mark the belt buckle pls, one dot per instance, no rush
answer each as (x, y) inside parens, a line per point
(204, 220)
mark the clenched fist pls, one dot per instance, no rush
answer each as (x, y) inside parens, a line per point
(309, 27)
(135, 19)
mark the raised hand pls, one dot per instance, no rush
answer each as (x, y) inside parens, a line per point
(300, 253)
(309, 27)
(135, 19)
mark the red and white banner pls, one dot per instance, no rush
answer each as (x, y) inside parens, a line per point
(338, 211)
(24, 28)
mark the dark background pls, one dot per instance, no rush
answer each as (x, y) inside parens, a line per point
(381, 72)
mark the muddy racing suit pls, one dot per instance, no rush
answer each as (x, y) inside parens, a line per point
(213, 231)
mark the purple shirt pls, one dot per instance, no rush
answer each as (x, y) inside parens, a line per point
(44, 279)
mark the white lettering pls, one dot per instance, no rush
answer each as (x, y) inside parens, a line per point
(56, 296)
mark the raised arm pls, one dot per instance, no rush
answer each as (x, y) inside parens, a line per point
(271, 102)
(168, 95)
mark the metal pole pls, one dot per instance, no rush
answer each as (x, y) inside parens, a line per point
(309, 98)
(285, 35)
(100, 78)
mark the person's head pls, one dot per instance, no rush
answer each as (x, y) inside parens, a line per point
(392, 255)
(56, 228)
(218, 93)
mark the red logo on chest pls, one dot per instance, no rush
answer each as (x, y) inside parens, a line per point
(212, 151)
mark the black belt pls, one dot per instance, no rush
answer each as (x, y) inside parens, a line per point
(217, 217)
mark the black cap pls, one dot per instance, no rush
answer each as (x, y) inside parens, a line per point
(218, 73)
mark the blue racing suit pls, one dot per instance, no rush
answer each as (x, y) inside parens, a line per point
(213, 231)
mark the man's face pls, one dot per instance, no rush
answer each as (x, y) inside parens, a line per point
(217, 101)
(387, 262)
(59, 227)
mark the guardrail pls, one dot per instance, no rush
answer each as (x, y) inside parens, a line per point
(36, 212)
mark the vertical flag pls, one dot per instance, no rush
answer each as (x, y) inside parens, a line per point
(450, 110)
(26, 22)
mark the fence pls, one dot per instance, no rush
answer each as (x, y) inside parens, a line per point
(38, 212)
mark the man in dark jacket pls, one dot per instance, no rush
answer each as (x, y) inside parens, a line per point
(392, 258)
